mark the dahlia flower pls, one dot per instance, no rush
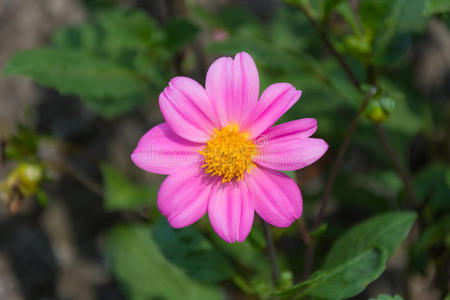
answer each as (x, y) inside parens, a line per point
(222, 154)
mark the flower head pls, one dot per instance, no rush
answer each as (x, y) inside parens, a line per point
(222, 154)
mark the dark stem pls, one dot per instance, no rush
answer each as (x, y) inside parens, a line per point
(337, 163)
(272, 253)
(304, 232)
(385, 140)
(309, 257)
(396, 162)
(350, 74)
(82, 178)
(177, 8)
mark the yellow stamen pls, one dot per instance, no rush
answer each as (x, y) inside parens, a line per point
(228, 153)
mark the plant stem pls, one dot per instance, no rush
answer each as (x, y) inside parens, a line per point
(84, 179)
(337, 163)
(304, 232)
(176, 8)
(387, 145)
(309, 257)
(350, 74)
(272, 253)
(396, 162)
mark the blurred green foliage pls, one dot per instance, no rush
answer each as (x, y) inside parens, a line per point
(122, 194)
(117, 61)
(386, 297)
(23, 145)
(144, 273)
(357, 258)
(437, 6)
(188, 249)
(121, 58)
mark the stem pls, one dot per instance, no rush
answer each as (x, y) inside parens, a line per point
(176, 8)
(337, 163)
(385, 140)
(396, 162)
(309, 256)
(84, 179)
(304, 232)
(309, 259)
(272, 253)
(350, 74)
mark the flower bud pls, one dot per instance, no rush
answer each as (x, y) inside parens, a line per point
(21, 182)
(380, 109)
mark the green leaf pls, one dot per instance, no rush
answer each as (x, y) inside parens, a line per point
(180, 31)
(436, 6)
(384, 231)
(123, 36)
(409, 14)
(190, 251)
(297, 288)
(395, 18)
(358, 257)
(247, 253)
(84, 37)
(114, 62)
(142, 271)
(128, 28)
(121, 193)
(431, 184)
(386, 297)
(351, 277)
(72, 72)
(391, 24)
(111, 32)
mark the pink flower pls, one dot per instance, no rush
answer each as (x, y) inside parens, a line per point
(222, 154)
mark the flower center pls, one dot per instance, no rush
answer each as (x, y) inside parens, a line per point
(228, 153)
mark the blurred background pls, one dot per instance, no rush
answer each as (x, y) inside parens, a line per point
(76, 214)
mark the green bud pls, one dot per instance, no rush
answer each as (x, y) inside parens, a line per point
(25, 178)
(380, 109)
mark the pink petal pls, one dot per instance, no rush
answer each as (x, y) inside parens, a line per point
(233, 86)
(301, 128)
(277, 198)
(188, 110)
(162, 151)
(231, 211)
(290, 153)
(184, 195)
(274, 102)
